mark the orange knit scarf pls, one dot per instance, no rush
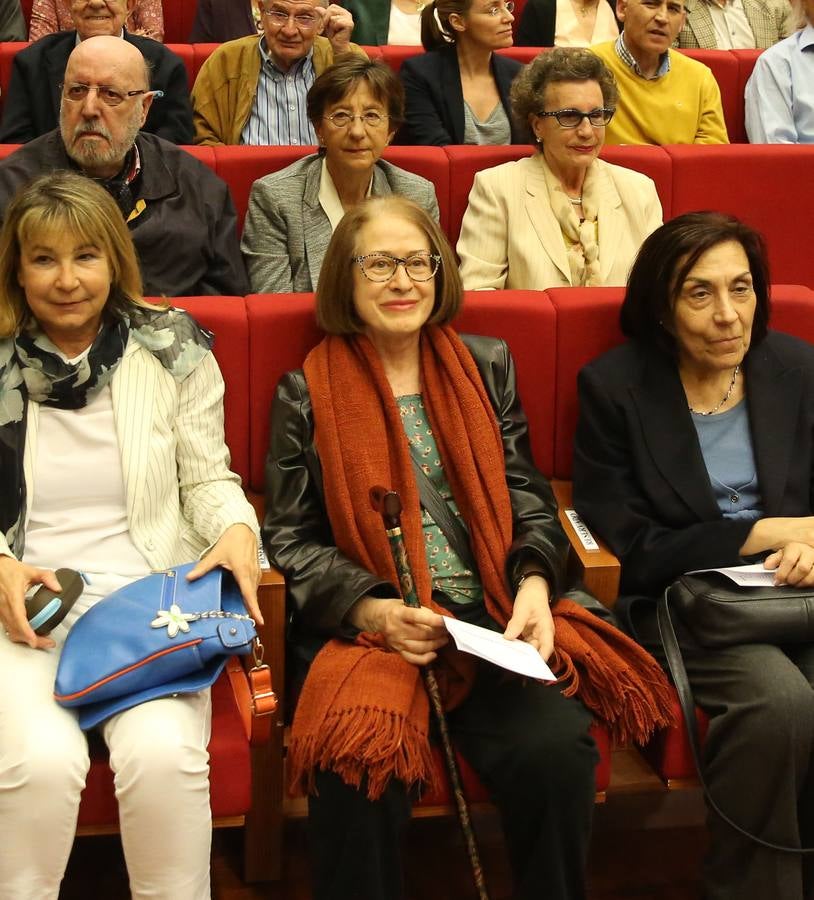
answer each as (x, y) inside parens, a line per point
(363, 712)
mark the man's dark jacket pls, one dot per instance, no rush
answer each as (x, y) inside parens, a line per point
(183, 220)
(31, 105)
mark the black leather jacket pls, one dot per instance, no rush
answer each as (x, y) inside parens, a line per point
(322, 583)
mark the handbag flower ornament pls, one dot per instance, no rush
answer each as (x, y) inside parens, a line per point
(173, 620)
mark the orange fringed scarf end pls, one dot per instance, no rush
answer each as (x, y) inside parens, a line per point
(359, 744)
(611, 674)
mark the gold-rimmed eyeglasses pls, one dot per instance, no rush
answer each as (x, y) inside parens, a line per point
(381, 266)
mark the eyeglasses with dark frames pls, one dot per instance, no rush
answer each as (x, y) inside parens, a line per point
(77, 92)
(370, 119)
(381, 266)
(572, 118)
(281, 18)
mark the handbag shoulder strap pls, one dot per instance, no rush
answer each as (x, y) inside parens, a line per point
(452, 526)
(675, 663)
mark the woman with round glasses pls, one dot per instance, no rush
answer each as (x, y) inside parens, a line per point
(392, 391)
(355, 108)
(562, 216)
(458, 91)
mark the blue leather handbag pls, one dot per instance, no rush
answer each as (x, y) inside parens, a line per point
(158, 636)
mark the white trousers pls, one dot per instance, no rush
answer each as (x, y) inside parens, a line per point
(158, 754)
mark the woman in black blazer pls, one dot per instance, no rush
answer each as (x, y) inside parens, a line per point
(458, 92)
(695, 449)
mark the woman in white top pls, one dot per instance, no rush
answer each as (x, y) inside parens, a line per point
(355, 106)
(560, 217)
(567, 23)
(114, 464)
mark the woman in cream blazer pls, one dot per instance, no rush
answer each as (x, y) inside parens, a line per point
(561, 217)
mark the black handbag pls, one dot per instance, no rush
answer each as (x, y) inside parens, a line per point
(718, 614)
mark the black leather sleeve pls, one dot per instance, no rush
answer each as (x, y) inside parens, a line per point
(322, 583)
(538, 535)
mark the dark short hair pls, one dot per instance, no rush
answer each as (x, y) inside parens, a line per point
(554, 66)
(344, 76)
(336, 313)
(663, 263)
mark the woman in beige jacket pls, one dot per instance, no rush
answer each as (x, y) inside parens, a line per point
(560, 217)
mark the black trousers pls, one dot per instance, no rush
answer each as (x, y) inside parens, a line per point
(531, 749)
(758, 758)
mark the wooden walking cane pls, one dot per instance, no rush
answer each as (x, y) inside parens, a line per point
(388, 505)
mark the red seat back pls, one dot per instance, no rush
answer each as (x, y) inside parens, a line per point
(185, 51)
(746, 60)
(200, 54)
(764, 185)
(587, 326)
(793, 310)
(179, 16)
(241, 166)
(725, 69)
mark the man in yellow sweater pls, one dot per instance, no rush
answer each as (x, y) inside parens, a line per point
(664, 96)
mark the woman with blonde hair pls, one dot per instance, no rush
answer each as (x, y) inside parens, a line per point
(458, 91)
(561, 216)
(114, 464)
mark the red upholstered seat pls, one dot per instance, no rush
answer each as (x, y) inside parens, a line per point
(241, 166)
(200, 53)
(587, 326)
(746, 62)
(179, 16)
(186, 52)
(761, 184)
(724, 67)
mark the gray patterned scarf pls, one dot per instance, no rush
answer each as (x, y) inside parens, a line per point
(31, 368)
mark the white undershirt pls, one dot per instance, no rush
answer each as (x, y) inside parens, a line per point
(329, 196)
(78, 512)
(569, 31)
(732, 28)
(405, 28)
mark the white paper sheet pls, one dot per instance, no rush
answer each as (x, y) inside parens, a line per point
(516, 656)
(744, 576)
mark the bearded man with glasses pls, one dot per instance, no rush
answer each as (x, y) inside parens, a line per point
(164, 193)
(31, 106)
(252, 91)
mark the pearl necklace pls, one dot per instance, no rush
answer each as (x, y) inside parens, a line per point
(726, 396)
(577, 201)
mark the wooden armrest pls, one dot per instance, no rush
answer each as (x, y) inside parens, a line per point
(598, 569)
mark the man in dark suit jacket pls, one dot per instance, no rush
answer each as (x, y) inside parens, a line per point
(31, 106)
(179, 213)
